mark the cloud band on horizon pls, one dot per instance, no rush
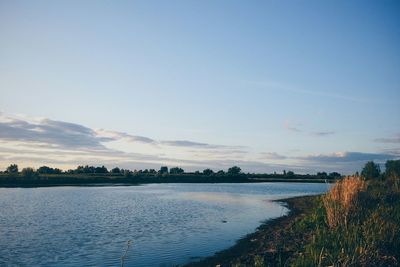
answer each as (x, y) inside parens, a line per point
(46, 141)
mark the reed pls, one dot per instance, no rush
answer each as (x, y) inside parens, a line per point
(357, 223)
(342, 200)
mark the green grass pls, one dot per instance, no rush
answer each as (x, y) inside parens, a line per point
(370, 238)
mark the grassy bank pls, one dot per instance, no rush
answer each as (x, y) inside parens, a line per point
(357, 223)
(19, 180)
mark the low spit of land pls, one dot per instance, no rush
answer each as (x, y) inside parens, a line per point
(19, 180)
(90, 175)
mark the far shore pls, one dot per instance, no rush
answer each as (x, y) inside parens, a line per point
(119, 180)
(90, 184)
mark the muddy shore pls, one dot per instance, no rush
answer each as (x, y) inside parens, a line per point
(274, 242)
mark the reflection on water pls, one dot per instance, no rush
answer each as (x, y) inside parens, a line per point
(169, 224)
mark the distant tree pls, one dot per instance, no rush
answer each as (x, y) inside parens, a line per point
(85, 169)
(116, 170)
(163, 169)
(289, 174)
(48, 170)
(371, 170)
(128, 173)
(220, 173)
(322, 175)
(208, 172)
(91, 169)
(176, 170)
(28, 172)
(13, 168)
(152, 171)
(392, 172)
(392, 168)
(197, 172)
(235, 170)
(334, 175)
(101, 169)
(78, 169)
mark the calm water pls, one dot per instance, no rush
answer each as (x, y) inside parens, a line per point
(168, 223)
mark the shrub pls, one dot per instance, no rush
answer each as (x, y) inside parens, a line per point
(371, 170)
(361, 226)
(342, 200)
(28, 172)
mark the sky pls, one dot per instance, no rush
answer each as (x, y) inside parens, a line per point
(269, 86)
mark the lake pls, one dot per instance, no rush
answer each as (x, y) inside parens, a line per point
(168, 224)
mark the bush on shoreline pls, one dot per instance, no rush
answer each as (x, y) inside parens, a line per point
(342, 200)
(357, 223)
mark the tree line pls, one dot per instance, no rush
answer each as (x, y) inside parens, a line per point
(371, 170)
(164, 170)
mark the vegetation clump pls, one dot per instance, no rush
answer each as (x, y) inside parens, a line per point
(342, 200)
(357, 223)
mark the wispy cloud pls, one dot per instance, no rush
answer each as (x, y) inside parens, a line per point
(296, 127)
(186, 143)
(114, 135)
(392, 151)
(340, 157)
(389, 140)
(58, 133)
(322, 134)
(291, 126)
(72, 135)
(272, 155)
(44, 141)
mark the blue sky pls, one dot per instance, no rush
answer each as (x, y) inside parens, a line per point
(266, 85)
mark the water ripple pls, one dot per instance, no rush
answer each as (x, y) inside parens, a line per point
(169, 224)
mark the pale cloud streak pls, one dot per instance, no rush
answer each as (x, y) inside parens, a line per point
(61, 134)
(45, 141)
(272, 156)
(323, 133)
(37, 142)
(389, 140)
(296, 127)
(347, 157)
(291, 126)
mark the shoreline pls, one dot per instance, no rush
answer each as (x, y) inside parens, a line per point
(29, 184)
(65, 179)
(268, 239)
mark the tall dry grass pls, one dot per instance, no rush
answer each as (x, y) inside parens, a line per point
(342, 200)
(356, 223)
